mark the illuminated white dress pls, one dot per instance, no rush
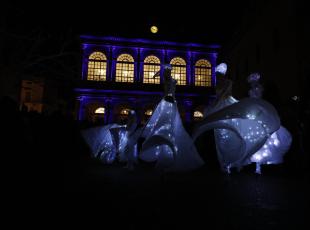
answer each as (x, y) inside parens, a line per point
(246, 131)
(278, 143)
(166, 141)
(114, 141)
(100, 142)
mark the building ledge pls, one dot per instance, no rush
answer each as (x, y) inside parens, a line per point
(94, 87)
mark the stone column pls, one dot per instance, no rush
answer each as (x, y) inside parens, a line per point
(188, 105)
(79, 108)
(139, 72)
(213, 65)
(110, 65)
(113, 64)
(189, 68)
(109, 107)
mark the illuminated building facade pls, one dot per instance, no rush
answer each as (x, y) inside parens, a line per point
(117, 75)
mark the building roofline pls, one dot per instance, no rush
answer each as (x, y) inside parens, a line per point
(145, 42)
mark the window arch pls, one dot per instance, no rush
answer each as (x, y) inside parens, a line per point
(148, 112)
(203, 73)
(178, 71)
(124, 68)
(97, 67)
(100, 110)
(150, 67)
(198, 114)
(124, 112)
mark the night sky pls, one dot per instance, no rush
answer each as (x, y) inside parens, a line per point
(207, 22)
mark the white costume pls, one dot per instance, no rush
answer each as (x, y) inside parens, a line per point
(114, 141)
(166, 140)
(245, 131)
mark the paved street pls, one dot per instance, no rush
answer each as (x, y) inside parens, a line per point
(146, 199)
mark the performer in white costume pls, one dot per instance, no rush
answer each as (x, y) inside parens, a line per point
(114, 141)
(244, 128)
(278, 143)
(166, 140)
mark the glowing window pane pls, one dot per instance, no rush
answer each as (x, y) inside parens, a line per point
(178, 71)
(124, 68)
(151, 66)
(198, 114)
(203, 73)
(148, 112)
(97, 67)
(124, 111)
(100, 110)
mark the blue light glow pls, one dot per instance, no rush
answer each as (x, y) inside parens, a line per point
(221, 68)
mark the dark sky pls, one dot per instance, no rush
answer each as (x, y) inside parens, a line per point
(208, 21)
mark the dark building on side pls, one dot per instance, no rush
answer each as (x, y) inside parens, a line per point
(117, 75)
(272, 40)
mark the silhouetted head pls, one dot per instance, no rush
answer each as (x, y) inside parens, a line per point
(131, 112)
(253, 78)
(256, 89)
(167, 67)
(167, 70)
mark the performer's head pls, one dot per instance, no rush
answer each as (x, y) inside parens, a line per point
(256, 89)
(167, 69)
(253, 78)
(221, 69)
(132, 112)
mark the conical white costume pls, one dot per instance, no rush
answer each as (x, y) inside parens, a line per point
(113, 140)
(166, 140)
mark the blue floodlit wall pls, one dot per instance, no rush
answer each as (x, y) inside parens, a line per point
(116, 96)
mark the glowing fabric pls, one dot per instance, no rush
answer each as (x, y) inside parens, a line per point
(167, 142)
(100, 142)
(246, 131)
(114, 141)
(241, 129)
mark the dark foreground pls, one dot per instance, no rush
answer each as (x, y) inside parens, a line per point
(144, 199)
(51, 181)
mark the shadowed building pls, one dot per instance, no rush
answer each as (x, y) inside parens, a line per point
(272, 41)
(41, 95)
(117, 75)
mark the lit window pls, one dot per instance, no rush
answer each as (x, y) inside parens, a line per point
(178, 71)
(124, 111)
(125, 68)
(97, 67)
(203, 73)
(198, 114)
(151, 66)
(148, 112)
(100, 110)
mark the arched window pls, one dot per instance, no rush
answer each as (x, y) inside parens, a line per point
(178, 71)
(148, 112)
(124, 112)
(125, 68)
(100, 110)
(198, 114)
(97, 67)
(151, 66)
(203, 73)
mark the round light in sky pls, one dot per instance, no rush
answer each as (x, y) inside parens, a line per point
(154, 29)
